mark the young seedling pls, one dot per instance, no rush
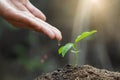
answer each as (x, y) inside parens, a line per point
(74, 46)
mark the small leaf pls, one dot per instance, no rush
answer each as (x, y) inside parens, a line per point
(84, 35)
(60, 50)
(64, 49)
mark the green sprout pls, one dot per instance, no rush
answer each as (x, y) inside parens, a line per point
(74, 46)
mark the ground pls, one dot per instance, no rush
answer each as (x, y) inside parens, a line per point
(85, 72)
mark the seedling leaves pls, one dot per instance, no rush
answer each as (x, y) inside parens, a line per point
(60, 49)
(84, 35)
(64, 49)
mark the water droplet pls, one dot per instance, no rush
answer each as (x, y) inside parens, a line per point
(59, 43)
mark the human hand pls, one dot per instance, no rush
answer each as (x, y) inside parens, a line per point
(21, 13)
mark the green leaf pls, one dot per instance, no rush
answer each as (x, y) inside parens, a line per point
(64, 49)
(84, 35)
(60, 50)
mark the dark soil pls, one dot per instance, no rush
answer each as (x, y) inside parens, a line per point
(85, 72)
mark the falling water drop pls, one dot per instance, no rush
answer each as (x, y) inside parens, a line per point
(59, 43)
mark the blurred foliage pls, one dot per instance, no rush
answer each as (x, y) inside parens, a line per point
(32, 38)
(20, 50)
(29, 63)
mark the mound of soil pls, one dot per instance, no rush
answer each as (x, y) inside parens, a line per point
(85, 72)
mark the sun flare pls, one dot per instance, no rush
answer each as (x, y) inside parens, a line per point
(95, 1)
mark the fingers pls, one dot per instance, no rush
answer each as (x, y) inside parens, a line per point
(31, 18)
(57, 33)
(31, 22)
(36, 12)
(17, 24)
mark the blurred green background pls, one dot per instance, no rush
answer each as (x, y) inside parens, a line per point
(26, 54)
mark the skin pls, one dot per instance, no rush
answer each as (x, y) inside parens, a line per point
(22, 14)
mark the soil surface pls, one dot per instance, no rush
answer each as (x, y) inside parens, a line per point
(85, 72)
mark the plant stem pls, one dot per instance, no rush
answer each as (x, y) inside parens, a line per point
(76, 59)
(76, 54)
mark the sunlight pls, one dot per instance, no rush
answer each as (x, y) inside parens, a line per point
(86, 12)
(97, 3)
(94, 1)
